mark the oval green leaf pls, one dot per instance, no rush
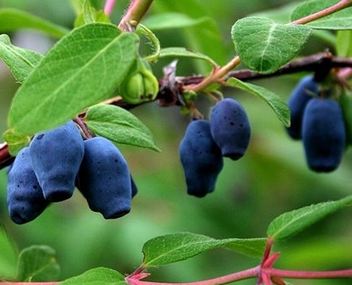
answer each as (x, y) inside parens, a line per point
(37, 263)
(264, 45)
(119, 126)
(172, 248)
(97, 276)
(274, 101)
(13, 20)
(341, 20)
(290, 223)
(83, 69)
(20, 61)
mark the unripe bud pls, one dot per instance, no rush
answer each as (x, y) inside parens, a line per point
(140, 85)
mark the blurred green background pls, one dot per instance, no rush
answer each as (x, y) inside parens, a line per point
(272, 178)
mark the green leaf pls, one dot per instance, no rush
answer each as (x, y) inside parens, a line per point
(165, 21)
(97, 276)
(13, 20)
(15, 141)
(198, 37)
(274, 101)
(8, 256)
(83, 69)
(37, 263)
(172, 248)
(119, 126)
(182, 52)
(290, 223)
(90, 15)
(341, 20)
(264, 45)
(345, 101)
(20, 61)
(344, 43)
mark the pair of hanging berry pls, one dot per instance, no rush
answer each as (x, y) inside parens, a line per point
(206, 142)
(317, 119)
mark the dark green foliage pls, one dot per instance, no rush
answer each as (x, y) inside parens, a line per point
(134, 189)
(323, 134)
(297, 102)
(56, 156)
(230, 128)
(25, 198)
(104, 179)
(201, 158)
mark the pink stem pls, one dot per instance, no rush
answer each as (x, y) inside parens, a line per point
(245, 274)
(109, 6)
(309, 274)
(29, 283)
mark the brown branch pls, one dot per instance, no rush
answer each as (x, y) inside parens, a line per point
(171, 87)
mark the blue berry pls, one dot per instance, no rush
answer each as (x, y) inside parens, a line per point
(201, 159)
(323, 134)
(25, 198)
(230, 128)
(56, 156)
(297, 103)
(104, 179)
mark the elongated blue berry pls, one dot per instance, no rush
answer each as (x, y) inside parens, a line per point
(104, 178)
(56, 156)
(230, 128)
(201, 159)
(297, 103)
(25, 200)
(323, 134)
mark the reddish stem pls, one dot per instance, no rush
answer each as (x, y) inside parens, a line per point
(330, 10)
(245, 274)
(29, 283)
(347, 273)
(134, 14)
(109, 6)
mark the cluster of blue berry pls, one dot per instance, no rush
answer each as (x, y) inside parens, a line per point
(56, 162)
(317, 119)
(206, 142)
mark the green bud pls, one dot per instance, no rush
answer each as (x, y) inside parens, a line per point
(140, 85)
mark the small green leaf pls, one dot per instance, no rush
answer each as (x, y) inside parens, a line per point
(341, 20)
(90, 15)
(97, 276)
(264, 45)
(15, 141)
(344, 43)
(8, 256)
(20, 61)
(13, 20)
(172, 21)
(290, 223)
(83, 69)
(172, 248)
(119, 126)
(182, 52)
(274, 101)
(37, 263)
